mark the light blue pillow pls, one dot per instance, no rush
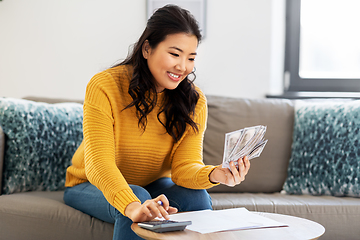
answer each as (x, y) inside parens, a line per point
(40, 140)
(325, 158)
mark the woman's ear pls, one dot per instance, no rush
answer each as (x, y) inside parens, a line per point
(146, 49)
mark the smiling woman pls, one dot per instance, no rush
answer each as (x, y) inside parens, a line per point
(144, 121)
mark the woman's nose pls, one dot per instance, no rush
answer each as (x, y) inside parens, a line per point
(181, 66)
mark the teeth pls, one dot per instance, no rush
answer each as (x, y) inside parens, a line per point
(173, 75)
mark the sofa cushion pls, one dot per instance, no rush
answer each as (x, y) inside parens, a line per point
(40, 141)
(325, 156)
(43, 215)
(268, 172)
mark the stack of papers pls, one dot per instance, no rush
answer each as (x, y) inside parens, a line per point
(208, 221)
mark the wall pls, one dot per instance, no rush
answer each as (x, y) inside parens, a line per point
(52, 48)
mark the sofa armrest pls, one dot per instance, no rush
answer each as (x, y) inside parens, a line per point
(2, 147)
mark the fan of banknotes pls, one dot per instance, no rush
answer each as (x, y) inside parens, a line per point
(244, 142)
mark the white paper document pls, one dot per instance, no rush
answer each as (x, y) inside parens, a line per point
(208, 221)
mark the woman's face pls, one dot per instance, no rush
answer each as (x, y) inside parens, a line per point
(172, 60)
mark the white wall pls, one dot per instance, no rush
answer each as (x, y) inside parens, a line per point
(51, 48)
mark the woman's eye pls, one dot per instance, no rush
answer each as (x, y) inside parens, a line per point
(192, 59)
(174, 54)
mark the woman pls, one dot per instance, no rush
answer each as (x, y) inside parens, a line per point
(144, 122)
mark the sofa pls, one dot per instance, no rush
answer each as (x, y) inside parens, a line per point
(322, 190)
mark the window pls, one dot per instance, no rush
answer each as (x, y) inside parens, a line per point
(322, 50)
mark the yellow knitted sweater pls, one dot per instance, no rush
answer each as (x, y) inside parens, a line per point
(115, 152)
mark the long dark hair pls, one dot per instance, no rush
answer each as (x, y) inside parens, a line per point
(179, 103)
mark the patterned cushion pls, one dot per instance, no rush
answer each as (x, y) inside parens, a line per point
(40, 140)
(325, 157)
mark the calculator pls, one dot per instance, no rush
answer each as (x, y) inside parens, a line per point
(160, 226)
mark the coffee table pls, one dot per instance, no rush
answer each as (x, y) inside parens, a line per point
(299, 228)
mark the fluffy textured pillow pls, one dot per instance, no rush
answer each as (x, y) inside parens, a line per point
(40, 140)
(325, 157)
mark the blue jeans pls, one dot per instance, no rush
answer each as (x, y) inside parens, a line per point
(90, 200)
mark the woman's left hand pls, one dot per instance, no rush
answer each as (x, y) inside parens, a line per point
(233, 176)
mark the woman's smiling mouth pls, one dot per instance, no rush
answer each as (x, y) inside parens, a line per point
(173, 76)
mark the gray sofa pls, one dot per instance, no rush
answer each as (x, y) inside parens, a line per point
(43, 214)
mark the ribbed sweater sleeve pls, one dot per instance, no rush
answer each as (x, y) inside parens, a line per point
(188, 169)
(99, 146)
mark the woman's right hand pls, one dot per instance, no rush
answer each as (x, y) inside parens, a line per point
(150, 209)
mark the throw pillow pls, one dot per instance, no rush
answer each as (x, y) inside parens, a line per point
(40, 140)
(325, 158)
